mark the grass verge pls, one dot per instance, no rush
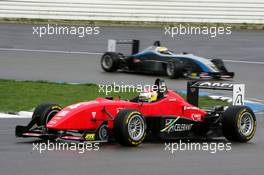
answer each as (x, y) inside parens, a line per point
(25, 95)
(242, 26)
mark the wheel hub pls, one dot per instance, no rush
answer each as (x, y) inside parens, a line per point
(136, 127)
(246, 124)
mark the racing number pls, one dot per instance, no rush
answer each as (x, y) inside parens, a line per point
(238, 94)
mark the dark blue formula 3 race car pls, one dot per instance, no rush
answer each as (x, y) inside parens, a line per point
(159, 60)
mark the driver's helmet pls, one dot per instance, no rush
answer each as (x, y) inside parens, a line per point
(163, 50)
(148, 96)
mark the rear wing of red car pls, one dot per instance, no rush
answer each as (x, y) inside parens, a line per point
(193, 88)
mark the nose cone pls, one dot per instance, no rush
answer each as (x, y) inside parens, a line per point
(74, 117)
(74, 121)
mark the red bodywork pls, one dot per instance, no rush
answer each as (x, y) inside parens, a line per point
(89, 115)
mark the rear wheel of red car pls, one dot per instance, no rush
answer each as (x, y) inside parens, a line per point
(239, 124)
(129, 127)
(110, 61)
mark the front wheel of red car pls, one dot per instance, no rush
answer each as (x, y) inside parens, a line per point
(44, 113)
(129, 127)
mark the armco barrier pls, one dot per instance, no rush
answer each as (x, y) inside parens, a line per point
(217, 11)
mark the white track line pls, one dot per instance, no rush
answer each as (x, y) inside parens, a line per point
(97, 53)
(256, 100)
(12, 116)
(25, 114)
(50, 51)
(21, 114)
(260, 113)
(246, 62)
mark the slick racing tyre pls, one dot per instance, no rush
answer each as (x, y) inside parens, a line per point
(44, 113)
(110, 61)
(173, 70)
(239, 124)
(129, 128)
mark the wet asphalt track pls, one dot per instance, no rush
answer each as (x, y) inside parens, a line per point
(17, 157)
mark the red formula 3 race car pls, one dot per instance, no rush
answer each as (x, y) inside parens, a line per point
(130, 122)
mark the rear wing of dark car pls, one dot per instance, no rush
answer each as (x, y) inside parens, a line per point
(193, 87)
(112, 45)
(135, 45)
